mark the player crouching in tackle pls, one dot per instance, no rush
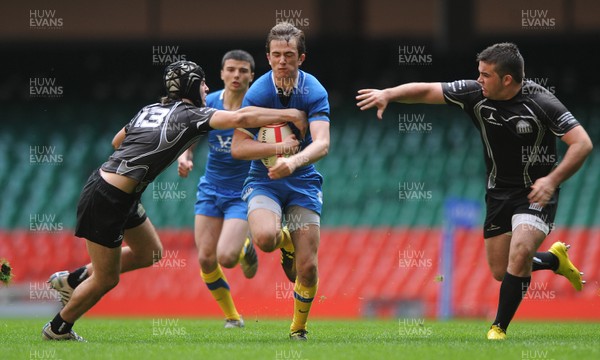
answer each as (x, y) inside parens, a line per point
(514, 117)
(109, 212)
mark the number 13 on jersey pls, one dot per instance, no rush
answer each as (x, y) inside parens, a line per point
(151, 117)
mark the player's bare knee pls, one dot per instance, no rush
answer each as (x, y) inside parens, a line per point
(228, 260)
(307, 272)
(266, 246)
(520, 258)
(206, 256)
(264, 240)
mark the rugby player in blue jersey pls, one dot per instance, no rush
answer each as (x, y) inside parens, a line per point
(221, 224)
(289, 192)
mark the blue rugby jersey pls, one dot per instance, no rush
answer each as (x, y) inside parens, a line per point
(308, 95)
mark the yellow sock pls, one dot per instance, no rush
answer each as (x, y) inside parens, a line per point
(303, 298)
(219, 288)
(286, 240)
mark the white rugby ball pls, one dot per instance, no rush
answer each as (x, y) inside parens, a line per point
(274, 133)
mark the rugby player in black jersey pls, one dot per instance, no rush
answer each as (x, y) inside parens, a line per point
(109, 208)
(518, 121)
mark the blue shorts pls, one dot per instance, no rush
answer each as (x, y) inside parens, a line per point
(303, 190)
(215, 201)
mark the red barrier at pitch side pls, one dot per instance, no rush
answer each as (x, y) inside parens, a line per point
(385, 272)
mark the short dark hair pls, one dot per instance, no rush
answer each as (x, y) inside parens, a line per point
(239, 55)
(507, 58)
(287, 31)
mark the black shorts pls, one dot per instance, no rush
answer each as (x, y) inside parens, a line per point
(502, 204)
(137, 216)
(104, 212)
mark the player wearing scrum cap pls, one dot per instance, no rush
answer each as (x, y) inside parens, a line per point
(290, 190)
(109, 202)
(518, 121)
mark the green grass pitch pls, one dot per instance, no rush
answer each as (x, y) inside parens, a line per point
(184, 338)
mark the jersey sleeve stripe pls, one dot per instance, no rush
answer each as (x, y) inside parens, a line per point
(462, 106)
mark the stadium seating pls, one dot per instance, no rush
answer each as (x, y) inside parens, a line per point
(369, 160)
(366, 225)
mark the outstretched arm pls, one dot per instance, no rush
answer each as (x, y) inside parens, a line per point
(579, 148)
(411, 93)
(253, 117)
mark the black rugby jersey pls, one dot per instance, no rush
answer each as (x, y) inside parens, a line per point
(518, 135)
(155, 137)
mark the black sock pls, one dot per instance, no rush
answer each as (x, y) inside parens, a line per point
(512, 290)
(77, 277)
(544, 261)
(60, 326)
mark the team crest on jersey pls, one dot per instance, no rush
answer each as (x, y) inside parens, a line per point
(225, 143)
(524, 127)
